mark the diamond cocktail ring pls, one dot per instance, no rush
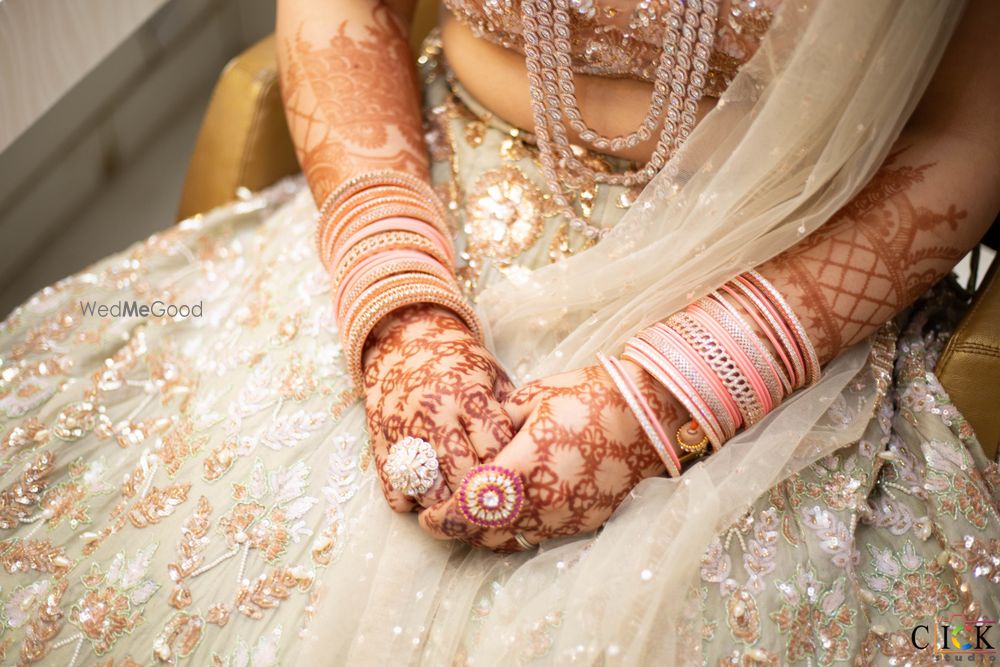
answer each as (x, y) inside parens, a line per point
(412, 466)
(491, 496)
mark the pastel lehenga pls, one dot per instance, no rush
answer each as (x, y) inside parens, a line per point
(199, 491)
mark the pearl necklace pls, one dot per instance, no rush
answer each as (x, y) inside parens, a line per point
(688, 36)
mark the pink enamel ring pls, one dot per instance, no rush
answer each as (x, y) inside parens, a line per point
(491, 496)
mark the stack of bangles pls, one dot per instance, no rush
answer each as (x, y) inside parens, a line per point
(384, 238)
(726, 372)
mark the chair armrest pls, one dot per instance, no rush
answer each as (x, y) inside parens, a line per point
(244, 140)
(969, 367)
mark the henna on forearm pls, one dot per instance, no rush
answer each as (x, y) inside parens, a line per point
(349, 90)
(929, 203)
(880, 252)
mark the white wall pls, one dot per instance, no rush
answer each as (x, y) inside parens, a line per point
(99, 129)
(47, 46)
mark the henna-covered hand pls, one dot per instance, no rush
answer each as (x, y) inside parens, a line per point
(579, 450)
(428, 377)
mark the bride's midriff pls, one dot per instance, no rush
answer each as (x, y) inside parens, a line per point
(498, 79)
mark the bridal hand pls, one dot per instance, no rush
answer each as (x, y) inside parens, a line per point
(427, 376)
(579, 450)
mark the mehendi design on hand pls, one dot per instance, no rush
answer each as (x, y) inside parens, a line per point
(580, 451)
(427, 376)
(352, 104)
(875, 256)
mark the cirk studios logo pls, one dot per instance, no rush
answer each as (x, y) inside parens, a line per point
(958, 636)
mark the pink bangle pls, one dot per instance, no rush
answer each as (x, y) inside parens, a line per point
(701, 388)
(389, 266)
(647, 356)
(682, 347)
(394, 225)
(778, 370)
(371, 212)
(735, 351)
(805, 345)
(372, 263)
(714, 362)
(643, 413)
(778, 325)
(333, 227)
(719, 359)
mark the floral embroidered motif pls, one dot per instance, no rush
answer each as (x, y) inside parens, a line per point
(190, 547)
(111, 605)
(268, 590)
(22, 555)
(19, 499)
(179, 638)
(815, 618)
(910, 587)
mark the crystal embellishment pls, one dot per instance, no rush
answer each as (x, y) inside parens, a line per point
(491, 496)
(412, 466)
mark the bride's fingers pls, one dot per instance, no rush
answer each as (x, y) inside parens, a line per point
(502, 386)
(522, 402)
(487, 424)
(397, 501)
(446, 520)
(455, 453)
(438, 492)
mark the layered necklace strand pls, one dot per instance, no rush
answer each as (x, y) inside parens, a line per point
(688, 36)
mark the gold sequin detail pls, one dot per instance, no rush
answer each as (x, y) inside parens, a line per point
(503, 213)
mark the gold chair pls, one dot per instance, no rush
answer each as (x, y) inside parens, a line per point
(244, 142)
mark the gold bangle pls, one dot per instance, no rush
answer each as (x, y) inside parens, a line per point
(330, 228)
(386, 241)
(429, 266)
(351, 225)
(404, 295)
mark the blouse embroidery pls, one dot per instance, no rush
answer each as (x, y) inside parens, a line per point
(623, 38)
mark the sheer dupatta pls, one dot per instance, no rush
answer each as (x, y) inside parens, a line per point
(802, 128)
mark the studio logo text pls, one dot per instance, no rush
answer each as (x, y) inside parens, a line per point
(157, 308)
(958, 638)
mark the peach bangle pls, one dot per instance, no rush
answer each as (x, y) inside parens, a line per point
(385, 178)
(372, 262)
(770, 331)
(384, 242)
(797, 363)
(680, 346)
(643, 413)
(805, 345)
(326, 221)
(333, 243)
(391, 294)
(385, 269)
(736, 354)
(697, 383)
(778, 369)
(394, 225)
(704, 343)
(749, 343)
(381, 177)
(376, 210)
(642, 353)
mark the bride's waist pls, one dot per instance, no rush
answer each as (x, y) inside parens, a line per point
(498, 79)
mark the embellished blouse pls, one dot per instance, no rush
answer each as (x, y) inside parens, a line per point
(624, 38)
